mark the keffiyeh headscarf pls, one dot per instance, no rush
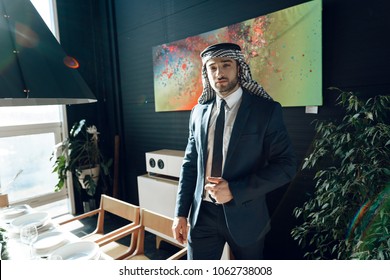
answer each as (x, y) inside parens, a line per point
(245, 77)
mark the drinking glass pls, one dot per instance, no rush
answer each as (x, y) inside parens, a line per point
(28, 235)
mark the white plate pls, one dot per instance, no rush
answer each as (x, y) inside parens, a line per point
(49, 241)
(37, 218)
(48, 226)
(15, 211)
(80, 250)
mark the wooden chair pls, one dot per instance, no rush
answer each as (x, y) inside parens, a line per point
(159, 225)
(108, 240)
(4, 200)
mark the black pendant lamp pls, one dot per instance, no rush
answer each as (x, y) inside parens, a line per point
(34, 69)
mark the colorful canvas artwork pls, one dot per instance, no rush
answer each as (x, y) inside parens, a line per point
(283, 49)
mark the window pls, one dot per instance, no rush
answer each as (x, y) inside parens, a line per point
(28, 135)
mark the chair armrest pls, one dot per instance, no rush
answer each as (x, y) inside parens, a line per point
(82, 216)
(118, 234)
(178, 255)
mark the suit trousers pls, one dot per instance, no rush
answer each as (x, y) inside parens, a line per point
(207, 238)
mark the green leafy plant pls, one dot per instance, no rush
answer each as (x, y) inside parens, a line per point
(374, 229)
(351, 161)
(78, 152)
(3, 242)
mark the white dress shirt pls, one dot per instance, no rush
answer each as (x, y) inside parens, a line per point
(233, 102)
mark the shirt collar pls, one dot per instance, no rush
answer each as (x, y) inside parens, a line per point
(232, 99)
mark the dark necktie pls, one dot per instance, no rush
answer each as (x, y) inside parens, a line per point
(216, 168)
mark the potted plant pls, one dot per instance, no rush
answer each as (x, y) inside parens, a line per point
(3, 244)
(80, 155)
(348, 214)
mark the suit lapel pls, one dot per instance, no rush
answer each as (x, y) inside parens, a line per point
(204, 130)
(239, 124)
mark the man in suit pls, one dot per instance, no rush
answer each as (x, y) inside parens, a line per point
(238, 151)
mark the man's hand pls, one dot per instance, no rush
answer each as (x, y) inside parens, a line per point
(219, 189)
(180, 229)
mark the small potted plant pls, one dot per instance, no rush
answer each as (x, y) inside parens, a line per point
(3, 244)
(80, 155)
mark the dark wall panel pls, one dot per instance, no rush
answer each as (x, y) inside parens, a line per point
(86, 33)
(355, 41)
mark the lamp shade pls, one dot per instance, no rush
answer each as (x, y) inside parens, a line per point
(34, 69)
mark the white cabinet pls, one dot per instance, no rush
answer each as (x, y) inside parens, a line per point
(157, 194)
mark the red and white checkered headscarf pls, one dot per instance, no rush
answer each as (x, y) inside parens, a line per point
(245, 77)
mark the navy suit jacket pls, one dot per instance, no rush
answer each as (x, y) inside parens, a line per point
(259, 160)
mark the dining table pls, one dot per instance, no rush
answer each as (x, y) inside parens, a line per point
(52, 243)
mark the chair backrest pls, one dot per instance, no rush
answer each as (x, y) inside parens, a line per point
(4, 200)
(157, 224)
(160, 224)
(119, 208)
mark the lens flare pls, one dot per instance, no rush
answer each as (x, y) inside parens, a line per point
(368, 213)
(71, 62)
(25, 36)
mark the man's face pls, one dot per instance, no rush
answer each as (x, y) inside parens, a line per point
(222, 73)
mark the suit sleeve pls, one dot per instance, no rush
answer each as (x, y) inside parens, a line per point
(188, 175)
(277, 167)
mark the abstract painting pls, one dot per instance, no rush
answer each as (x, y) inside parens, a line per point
(283, 49)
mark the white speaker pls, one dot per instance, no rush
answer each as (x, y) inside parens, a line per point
(164, 162)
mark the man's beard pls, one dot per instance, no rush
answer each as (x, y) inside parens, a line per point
(228, 88)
